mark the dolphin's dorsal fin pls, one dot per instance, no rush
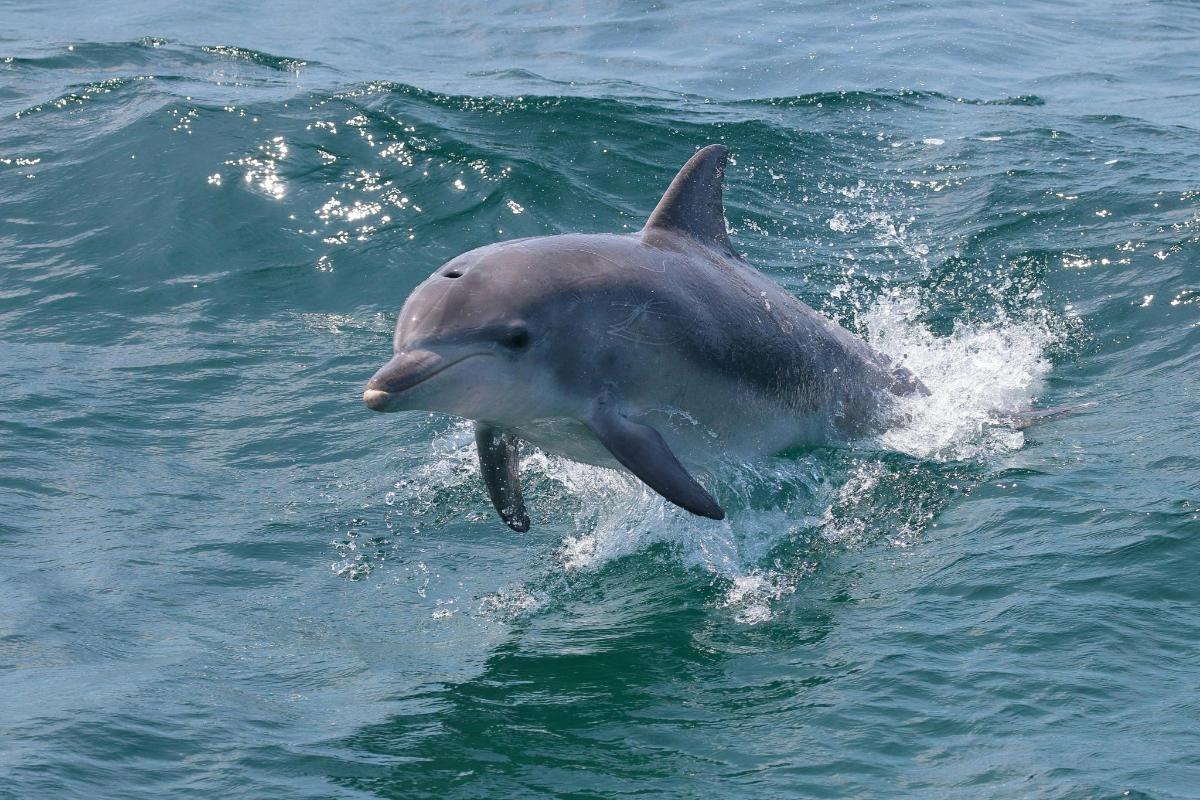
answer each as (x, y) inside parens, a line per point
(692, 204)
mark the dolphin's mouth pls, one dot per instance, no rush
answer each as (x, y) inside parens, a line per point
(404, 372)
(376, 399)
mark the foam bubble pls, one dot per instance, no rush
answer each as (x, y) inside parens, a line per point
(510, 603)
(752, 597)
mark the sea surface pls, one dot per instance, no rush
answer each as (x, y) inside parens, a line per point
(222, 577)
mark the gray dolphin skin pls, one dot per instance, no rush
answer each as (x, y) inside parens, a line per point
(660, 352)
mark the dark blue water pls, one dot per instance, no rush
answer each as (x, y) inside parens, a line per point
(222, 577)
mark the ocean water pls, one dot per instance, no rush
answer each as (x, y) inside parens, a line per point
(223, 577)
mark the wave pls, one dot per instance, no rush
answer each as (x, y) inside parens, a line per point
(861, 99)
(148, 52)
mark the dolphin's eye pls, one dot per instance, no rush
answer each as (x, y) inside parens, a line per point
(516, 337)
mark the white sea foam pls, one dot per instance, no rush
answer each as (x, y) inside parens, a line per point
(623, 517)
(978, 377)
(510, 602)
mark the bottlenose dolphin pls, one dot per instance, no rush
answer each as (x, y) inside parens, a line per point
(658, 351)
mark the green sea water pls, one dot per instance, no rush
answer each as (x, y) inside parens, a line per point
(222, 577)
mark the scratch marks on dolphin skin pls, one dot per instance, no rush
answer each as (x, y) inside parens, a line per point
(642, 323)
(659, 267)
(673, 414)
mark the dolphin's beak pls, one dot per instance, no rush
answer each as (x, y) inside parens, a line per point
(376, 400)
(403, 372)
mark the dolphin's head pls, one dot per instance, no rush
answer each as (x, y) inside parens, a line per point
(467, 340)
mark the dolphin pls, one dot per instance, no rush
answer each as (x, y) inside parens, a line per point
(658, 352)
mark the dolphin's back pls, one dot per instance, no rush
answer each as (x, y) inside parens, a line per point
(670, 310)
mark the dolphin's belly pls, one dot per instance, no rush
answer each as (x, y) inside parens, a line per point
(729, 423)
(569, 438)
(724, 424)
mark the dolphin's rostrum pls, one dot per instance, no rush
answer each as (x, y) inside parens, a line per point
(659, 352)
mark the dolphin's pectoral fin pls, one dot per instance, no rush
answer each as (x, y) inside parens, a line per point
(498, 463)
(643, 452)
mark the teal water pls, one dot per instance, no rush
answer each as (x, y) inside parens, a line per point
(223, 577)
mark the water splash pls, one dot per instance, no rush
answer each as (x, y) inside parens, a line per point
(978, 377)
(511, 602)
